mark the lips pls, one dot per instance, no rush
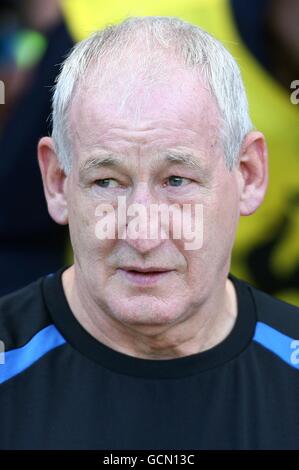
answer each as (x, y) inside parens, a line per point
(144, 276)
(152, 269)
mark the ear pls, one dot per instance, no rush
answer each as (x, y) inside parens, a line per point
(54, 181)
(253, 172)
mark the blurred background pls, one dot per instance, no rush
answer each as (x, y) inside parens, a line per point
(36, 35)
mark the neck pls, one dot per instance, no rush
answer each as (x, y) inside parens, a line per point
(200, 330)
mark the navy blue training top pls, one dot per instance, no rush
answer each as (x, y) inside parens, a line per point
(62, 389)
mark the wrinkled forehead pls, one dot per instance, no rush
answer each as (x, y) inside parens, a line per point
(172, 101)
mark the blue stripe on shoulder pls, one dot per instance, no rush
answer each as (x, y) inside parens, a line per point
(283, 346)
(20, 359)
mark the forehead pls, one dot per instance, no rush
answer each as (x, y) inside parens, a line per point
(137, 114)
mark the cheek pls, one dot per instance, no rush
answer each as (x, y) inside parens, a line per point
(86, 241)
(219, 224)
(80, 223)
(222, 219)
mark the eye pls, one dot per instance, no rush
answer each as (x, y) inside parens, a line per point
(176, 181)
(106, 183)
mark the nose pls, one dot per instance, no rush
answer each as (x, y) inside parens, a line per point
(143, 227)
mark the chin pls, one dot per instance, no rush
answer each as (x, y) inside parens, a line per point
(145, 311)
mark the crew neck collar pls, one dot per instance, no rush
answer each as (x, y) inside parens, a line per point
(74, 333)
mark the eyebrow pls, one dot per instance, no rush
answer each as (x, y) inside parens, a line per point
(106, 160)
(184, 158)
(171, 156)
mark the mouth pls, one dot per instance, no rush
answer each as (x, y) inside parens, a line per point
(144, 277)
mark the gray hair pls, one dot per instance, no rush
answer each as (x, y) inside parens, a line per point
(198, 50)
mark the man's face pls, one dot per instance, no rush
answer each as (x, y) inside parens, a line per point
(177, 115)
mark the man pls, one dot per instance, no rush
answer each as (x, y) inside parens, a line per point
(149, 342)
(263, 36)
